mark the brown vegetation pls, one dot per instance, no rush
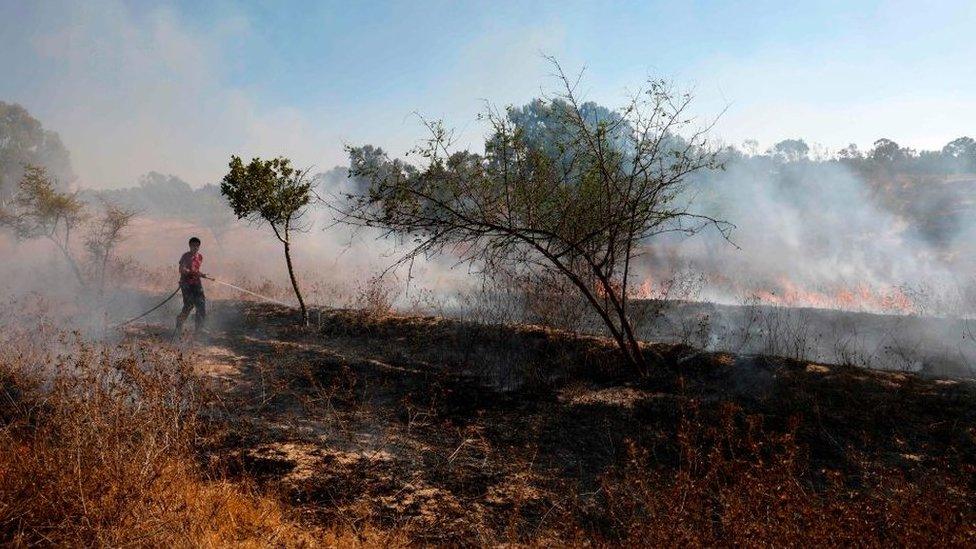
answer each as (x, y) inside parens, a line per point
(99, 446)
(391, 430)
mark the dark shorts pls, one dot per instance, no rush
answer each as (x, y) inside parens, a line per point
(193, 298)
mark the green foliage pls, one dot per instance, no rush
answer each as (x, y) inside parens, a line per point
(268, 190)
(23, 142)
(40, 209)
(562, 187)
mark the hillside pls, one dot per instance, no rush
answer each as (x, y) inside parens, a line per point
(426, 430)
(400, 430)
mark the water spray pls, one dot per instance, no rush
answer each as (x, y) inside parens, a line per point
(264, 297)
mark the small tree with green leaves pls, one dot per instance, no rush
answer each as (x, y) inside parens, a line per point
(38, 209)
(272, 192)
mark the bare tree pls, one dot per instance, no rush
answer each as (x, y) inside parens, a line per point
(105, 233)
(569, 187)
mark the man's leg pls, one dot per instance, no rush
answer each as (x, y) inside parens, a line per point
(187, 307)
(201, 306)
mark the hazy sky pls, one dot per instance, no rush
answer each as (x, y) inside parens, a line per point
(178, 87)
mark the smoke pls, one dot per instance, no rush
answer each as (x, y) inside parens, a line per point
(151, 85)
(813, 236)
(334, 263)
(816, 233)
(820, 234)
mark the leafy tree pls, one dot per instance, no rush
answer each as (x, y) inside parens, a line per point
(887, 152)
(273, 192)
(40, 210)
(23, 142)
(961, 153)
(791, 150)
(572, 189)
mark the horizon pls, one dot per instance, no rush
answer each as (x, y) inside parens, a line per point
(176, 88)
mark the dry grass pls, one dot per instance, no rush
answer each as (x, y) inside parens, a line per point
(375, 296)
(736, 484)
(99, 447)
(122, 445)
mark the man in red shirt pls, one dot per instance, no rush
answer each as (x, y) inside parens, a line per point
(191, 286)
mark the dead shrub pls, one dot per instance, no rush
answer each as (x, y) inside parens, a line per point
(526, 297)
(376, 296)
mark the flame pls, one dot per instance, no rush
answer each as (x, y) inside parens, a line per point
(860, 297)
(785, 292)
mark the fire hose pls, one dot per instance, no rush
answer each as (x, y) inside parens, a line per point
(163, 302)
(177, 290)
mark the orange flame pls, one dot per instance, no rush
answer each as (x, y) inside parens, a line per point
(787, 293)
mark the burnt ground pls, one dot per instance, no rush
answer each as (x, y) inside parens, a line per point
(462, 433)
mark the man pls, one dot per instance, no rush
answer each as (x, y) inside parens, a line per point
(191, 285)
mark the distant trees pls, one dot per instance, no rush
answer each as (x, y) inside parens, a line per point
(961, 153)
(887, 151)
(23, 142)
(272, 192)
(850, 153)
(169, 196)
(791, 150)
(565, 187)
(885, 158)
(750, 147)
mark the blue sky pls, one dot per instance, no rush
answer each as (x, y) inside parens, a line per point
(178, 87)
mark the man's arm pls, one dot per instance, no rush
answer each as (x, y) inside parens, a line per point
(186, 267)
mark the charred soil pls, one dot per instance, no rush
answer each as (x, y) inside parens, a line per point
(393, 430)
(461, 433)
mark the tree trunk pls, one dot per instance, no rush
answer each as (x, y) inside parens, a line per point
(294, 284)
(75, 269)
(628, 344)
(634, 344)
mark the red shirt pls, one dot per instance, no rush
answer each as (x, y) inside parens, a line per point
(190, 269)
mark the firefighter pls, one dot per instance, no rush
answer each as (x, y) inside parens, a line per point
(191, 285)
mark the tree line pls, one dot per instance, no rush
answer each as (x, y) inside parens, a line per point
(956, 157)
